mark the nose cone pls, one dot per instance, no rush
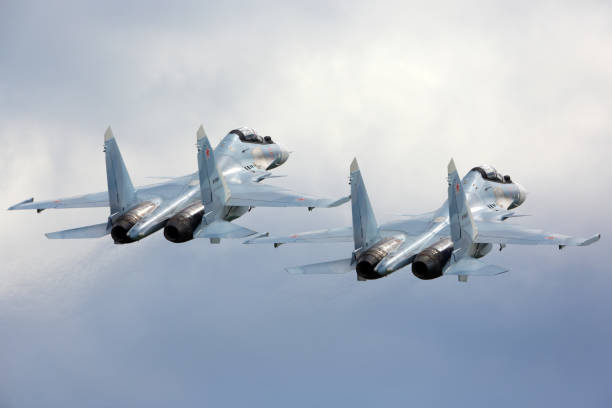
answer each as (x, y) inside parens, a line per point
(284, 156)
(281, 156)
(522, 196)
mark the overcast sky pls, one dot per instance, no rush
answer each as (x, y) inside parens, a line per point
(523, 86)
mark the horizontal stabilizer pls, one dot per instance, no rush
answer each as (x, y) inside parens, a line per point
(474, 267)
(90, 231)
(323, 268)
(222, 229)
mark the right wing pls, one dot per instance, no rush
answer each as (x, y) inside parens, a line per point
(344, 234)
(502, 233)
(82, 201)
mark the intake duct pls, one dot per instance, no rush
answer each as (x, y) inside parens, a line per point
(429, 263)
(180, 227)
(124, 223)
(367, 261)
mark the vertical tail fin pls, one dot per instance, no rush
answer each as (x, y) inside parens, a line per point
(121, 192)
(463, 229)
(365, 228)
(212, 184)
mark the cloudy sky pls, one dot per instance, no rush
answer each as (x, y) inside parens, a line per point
(403, 86)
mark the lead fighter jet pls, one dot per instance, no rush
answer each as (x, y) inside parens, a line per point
(448, 241)
(199, 205)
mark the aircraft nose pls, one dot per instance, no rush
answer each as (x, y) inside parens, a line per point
(522, 194)
(280, 157)
(284, 156)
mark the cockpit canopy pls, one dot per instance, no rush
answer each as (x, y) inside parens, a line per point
(489, 173)
(249, 135)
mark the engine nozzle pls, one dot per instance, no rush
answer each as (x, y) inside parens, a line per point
(367, 261)
(123, 224)
(430, 262)
(180, 227)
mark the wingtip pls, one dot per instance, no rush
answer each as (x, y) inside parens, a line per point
(451, 166)
(201, 133)
(354, 165)
(339, 201)
(591, 240)
(16, 206)
(108, 135)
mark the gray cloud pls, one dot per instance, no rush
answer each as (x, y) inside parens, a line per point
(401, 86)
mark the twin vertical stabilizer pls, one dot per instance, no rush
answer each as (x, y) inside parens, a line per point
(212, 185)
(365, 228)
(463, 229)
(121, 192)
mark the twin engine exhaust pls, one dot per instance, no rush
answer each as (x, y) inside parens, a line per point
(124, 223)
(430, 262)
(367, 261)
(180, 227)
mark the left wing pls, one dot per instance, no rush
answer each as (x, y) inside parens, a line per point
(250, 194)
(502, 233)
(82, 201)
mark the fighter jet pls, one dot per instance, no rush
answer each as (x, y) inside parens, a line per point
(448, 241)
(199, 205)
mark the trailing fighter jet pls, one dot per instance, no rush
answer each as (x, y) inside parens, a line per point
(448, 241)
(198, 205)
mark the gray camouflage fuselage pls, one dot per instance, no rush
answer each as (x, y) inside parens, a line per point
(228, 183)
(238, 161)
(488, 201)
(447, 241)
